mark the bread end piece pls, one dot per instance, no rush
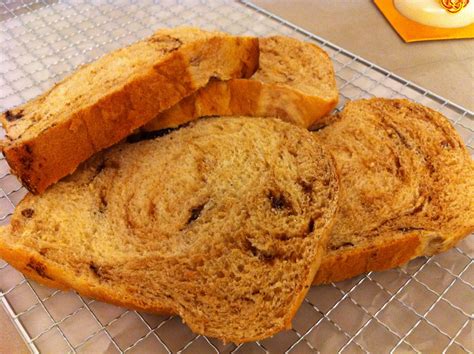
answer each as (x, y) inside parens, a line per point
(48, 137)
(295, 82)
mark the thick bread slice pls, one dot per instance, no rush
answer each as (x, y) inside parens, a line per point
(295, 82)
(407, 186)
(223, 222)
(102, 102)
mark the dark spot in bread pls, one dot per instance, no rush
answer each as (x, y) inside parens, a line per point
(409, 229)
(28, 149)
(446, 144)
(311, 226)
(39, 268)
(418, 208)
(43, 251)
(268, 258)
(195, 213)
(151, 209)
(342, 245)
(99, 271)
(247, 299)
(26, 181)
(100, 167)
(306, 186)
(248, 246)
(12, 116)
(103, 202)
(104, 164)
(27, 213)
(397, 163)
(263, 255)
(94, 268)
(278, 201)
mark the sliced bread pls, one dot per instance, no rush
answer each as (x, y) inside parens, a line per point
(295, 82)
(223, 222)
(407, 186)
(102, 102)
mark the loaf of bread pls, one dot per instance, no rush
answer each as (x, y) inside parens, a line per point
(407, 186)
(295, 82)
(223, 222)
(101, 103)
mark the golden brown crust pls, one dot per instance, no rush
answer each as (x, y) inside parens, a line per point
(40, 161)
(277, 89)
(56, 151)
(374, 256)
(40, 269)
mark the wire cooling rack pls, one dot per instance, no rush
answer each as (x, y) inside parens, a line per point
(425, 306)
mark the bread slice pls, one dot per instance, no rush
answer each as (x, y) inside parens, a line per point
(101, 103)
(295, 82)
(223, 222)
(407, 186)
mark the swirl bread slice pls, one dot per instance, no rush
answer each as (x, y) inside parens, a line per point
(223, 222)
(295, 82)
(101, 103)
(407, 186)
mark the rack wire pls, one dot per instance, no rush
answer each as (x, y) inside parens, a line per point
(425, 306)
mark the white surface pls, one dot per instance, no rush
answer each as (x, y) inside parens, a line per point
(432, 13)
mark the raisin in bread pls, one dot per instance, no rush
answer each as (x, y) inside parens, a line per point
(101, 103)
(407, 186)
(223, 222)
(295, 82)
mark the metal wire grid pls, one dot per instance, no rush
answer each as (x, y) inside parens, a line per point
(425, 306)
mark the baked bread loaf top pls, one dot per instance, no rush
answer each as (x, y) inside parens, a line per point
(295, 82)
(223, 222)
(102, 102)
(407, 186)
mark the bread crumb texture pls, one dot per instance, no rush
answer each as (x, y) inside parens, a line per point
(223, 222)
(407, 186)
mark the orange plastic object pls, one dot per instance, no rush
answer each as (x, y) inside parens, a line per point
(412, 31)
